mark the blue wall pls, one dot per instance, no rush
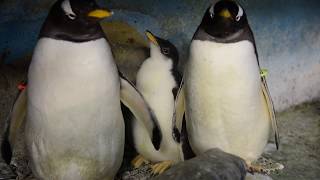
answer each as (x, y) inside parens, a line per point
(287, 35)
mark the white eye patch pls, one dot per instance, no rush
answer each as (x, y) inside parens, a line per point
(211, 11)
(240, 13)
(66, 6)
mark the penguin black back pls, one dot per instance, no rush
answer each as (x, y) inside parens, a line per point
(71, 20)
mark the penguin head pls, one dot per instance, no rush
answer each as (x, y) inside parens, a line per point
(74, 20)
(86, 11)
(163, 48)
(224, 19)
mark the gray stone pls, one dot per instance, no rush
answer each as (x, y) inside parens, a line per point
(212, 165)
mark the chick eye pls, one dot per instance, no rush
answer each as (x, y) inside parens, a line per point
(165, 51)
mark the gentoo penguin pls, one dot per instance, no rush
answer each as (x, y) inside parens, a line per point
(227, 102)
(158, 80)
(74, 127)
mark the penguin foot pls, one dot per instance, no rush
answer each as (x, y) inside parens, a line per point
(254, 169)
(138, 161)
(268, 166)
(159, 168)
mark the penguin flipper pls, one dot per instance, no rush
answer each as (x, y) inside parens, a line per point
(179, 111)
(271, 110)
(134, 100)
(15, 122)
(187, 151)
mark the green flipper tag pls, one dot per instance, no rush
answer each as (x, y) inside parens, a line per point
(264, 72)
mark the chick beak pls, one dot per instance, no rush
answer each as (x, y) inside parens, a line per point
(152, 38)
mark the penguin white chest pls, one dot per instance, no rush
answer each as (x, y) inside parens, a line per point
(155, 82)
(74, 115)
(225, 105)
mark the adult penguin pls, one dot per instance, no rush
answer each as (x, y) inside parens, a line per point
(227, 102)
(74, 127)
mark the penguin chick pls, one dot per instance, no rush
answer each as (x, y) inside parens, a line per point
(228, 105)
(158, 80)
(74, 127)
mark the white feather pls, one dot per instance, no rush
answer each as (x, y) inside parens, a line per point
(211, 11)
(155, 82)
(240, 13)
(66, 7)
(224, 100)
(74, 123)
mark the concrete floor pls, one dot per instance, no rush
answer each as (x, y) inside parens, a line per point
(300, 142)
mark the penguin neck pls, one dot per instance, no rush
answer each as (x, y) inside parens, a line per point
(164, 64)
(60, 27)
(242, 34)
(155, 54)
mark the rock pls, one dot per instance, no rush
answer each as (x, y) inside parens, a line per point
(212, 165)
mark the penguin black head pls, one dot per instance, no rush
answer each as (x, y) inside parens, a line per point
(74, 20)
(224, 19)
(165, 47)
(168, 50)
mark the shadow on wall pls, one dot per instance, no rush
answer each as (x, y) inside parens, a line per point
(287, 35)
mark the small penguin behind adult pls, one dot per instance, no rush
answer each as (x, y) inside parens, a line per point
(158, 80)
(74, 125)
(227, 102)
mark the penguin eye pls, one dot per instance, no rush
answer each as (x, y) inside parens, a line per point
(165, 51)
(211, 11)
(240, 13)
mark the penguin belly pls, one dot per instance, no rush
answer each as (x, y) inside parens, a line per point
(224, 101)
(75, 128)
(155, 82)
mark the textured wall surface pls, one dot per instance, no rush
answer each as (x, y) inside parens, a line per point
(287, 35)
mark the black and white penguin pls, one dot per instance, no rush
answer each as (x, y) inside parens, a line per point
(158, 80)
(74, 127)
(227, 103)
